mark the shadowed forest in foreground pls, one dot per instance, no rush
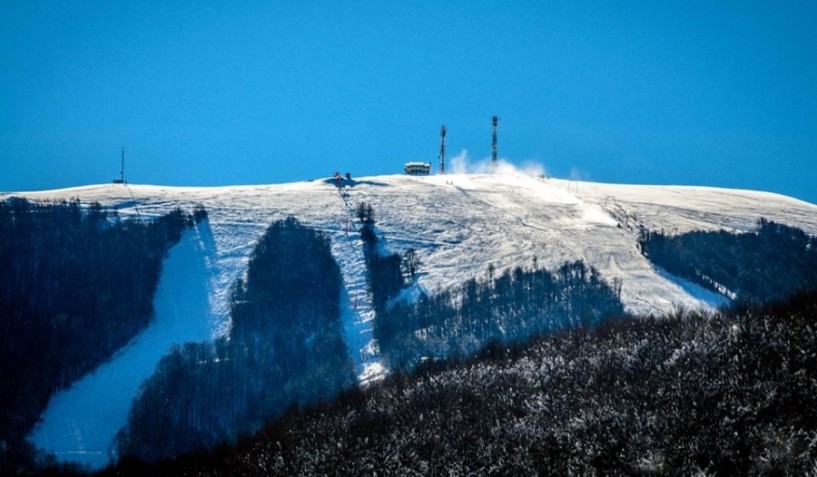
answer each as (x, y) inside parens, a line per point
(732, 393)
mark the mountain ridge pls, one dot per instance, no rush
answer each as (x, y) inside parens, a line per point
(467, 216)
(458, 224)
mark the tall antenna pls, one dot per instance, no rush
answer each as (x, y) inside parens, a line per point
(442, 149)
(494, 122)
(121, 179)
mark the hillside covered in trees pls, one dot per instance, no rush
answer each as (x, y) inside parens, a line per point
(513, 307)
(285, 348)
(76, 284)
(771, 263)
(729, 394)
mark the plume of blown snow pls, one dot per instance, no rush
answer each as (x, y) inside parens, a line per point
(463, 164)
(577, 174)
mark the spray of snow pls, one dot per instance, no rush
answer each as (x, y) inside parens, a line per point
(577, 174)
(463, 164)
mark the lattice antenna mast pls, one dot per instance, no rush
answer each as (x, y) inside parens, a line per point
(442, 149)
(494, 122)
(121, 179)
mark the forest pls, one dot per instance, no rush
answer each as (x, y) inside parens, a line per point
(70, 273)
(732, 393)
(770, 263)
(285, 348)
(511, 307)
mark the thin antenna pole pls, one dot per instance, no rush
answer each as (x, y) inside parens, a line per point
(122, 170)
(442, 149)
(494, 122)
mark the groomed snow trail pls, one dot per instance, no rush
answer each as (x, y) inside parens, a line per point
(357, 309)
(81, 422)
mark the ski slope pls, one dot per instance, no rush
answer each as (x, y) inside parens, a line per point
(81, 422)
(457, 224)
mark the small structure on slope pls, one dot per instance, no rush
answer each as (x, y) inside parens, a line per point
(418, 168)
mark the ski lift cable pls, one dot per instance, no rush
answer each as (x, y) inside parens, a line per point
(135, 207)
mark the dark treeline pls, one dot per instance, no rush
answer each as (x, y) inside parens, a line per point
(285, 348)
(729, 394)
(384, 271)
(769, 264)
(76, 284)
(512, 307)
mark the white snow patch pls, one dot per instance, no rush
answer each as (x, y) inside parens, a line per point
(595, 215)
(373, 372)
(709, 299)
(80, 422)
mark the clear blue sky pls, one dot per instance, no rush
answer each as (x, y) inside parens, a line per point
(720, 93)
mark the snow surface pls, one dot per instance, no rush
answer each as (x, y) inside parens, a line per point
(457, 223)
(81, 422)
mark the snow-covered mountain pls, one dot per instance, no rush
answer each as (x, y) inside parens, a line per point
(457, 224)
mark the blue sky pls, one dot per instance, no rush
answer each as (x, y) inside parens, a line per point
(218, 93)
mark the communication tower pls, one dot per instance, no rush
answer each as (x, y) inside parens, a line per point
(442, 149)
(494, 122)
(121, 179)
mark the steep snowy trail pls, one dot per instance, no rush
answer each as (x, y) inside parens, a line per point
(81, 422)
(357, 309)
